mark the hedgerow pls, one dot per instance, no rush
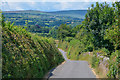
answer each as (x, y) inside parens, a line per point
(26, 55)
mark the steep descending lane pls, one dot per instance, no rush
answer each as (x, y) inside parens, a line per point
(72, 69)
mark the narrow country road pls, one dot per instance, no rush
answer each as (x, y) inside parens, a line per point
(72, 69)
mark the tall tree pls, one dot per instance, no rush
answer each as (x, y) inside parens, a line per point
(98, 19)
(113, 33)
(63, 31)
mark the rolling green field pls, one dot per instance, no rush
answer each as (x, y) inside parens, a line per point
(44, 23)
(49, 19)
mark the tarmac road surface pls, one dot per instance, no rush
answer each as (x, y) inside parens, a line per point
(72, 69)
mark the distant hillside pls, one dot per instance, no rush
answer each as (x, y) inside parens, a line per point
(43, 22)
(72, 13)
(24, 11)
(41, 18)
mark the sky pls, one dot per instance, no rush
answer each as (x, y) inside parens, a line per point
(47, 5)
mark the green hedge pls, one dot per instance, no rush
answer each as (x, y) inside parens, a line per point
(27, 55)
(114, 65)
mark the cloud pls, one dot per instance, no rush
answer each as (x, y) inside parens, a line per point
(9, 6)
(19, 8)
(60, 0)
(32, 3)
(65, 5)
(46, 6)
(73, 5)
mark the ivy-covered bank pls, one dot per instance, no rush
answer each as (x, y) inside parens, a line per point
(26, 55)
